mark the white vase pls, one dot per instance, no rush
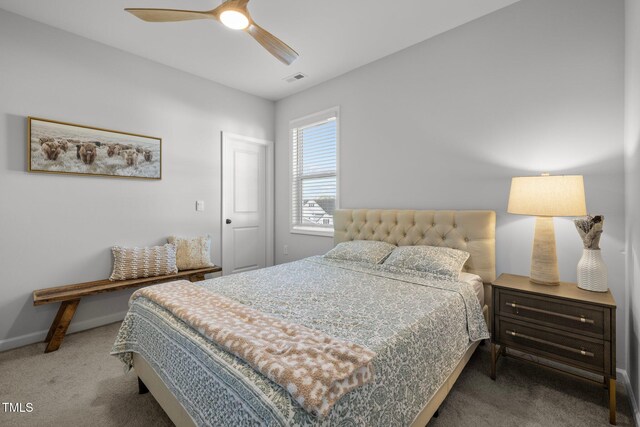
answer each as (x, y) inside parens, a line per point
(592, 271)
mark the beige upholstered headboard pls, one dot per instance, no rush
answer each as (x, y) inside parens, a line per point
(471, 231)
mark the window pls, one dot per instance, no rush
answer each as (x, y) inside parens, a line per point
(314, 148)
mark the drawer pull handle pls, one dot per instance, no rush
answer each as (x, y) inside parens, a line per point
(581, 351)
(581, 319)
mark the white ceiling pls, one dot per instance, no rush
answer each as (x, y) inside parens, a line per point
(332, 36)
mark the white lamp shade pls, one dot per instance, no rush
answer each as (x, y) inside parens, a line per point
(560, 195)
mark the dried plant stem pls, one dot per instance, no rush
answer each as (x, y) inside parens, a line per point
(590, 230)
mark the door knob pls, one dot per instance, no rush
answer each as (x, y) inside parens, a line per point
(228, 221)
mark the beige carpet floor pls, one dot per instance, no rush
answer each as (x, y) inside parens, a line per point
(81, 385)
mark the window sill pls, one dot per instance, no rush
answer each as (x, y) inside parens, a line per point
(312, 231)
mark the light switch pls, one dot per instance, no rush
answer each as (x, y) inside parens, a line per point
(200, 205)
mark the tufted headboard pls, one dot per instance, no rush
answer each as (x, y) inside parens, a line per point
(471, 231)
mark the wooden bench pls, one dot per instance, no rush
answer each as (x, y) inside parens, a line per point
(69, 297)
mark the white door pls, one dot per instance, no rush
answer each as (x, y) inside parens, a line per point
(246, 203)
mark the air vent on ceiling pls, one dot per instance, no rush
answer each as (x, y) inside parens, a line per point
(295, 77)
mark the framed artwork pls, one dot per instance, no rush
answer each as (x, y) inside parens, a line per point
(57, 147)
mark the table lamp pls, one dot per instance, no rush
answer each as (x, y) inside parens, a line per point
(544, 197)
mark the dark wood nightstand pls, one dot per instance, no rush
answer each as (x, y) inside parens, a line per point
(564, 323)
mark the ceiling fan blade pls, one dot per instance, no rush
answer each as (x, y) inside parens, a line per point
(274, 45)
(237, 4)
(171, 15)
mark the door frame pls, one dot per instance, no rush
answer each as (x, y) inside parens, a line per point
(270, 192)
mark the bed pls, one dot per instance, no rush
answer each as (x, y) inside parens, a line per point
(423, 331)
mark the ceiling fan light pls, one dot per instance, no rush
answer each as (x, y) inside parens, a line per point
(234, 19)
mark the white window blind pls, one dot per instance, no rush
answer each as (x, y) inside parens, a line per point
(314, 173)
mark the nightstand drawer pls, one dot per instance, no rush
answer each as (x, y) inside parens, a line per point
(554, 344)
(569, 316)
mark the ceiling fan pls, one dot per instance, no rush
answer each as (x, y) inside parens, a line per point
(233, 14)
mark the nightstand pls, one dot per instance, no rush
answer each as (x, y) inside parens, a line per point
(562, 323)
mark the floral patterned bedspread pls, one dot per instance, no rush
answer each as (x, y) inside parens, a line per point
(419, 326)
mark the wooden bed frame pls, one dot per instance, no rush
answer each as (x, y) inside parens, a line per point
(472, 231)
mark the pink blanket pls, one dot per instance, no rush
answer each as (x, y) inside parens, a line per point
(316, 369)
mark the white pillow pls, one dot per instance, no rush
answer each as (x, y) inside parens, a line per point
(369, 251)
(437, 260)
(470, 278)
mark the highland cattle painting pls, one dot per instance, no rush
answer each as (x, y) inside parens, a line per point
(57, 147)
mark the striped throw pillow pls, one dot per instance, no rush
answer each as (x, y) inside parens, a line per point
(134, 263)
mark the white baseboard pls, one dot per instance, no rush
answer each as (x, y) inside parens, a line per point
(633, 402)
(34, 337)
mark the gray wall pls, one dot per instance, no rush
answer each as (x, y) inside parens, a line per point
(632, 157)
(534, 87)
(58, 229)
